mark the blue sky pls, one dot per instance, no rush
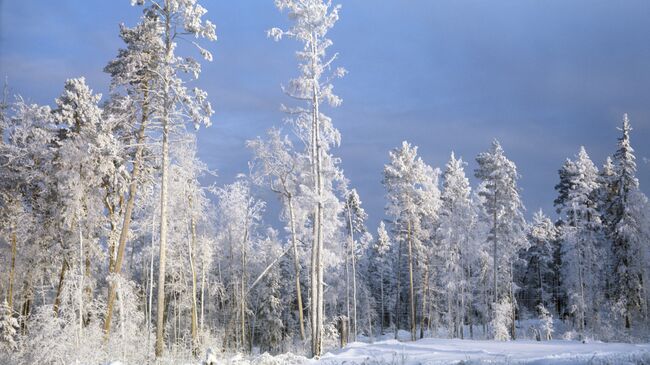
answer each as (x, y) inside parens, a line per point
(543, 77)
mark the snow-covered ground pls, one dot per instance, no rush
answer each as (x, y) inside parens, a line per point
(431, 351)
(455, 351)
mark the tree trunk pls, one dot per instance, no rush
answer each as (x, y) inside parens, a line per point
(163, 241)
(160, 323)
(369, 316)
(202, 293)
(425, 299)
(381, 290)
(243, 290)
(296, 265)
(317, 265)
(399, 281)
(494, 258)
(513, 303)
(411, 288)
(81, 282)
(150, 294)
(354, 288)
(192, 247)
(59, 287)
(347, 293)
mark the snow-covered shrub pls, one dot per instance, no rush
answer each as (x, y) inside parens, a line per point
(64, 337)
(502, 320)
(330, 335)
(8, 334)
(8, 329)
(545, 323)
(128, 338)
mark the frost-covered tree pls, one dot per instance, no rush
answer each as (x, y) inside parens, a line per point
(269, 317)
(8, 329)
(29, 201)
(581, 237)
(539, 277)
(629, 232)
(239, 216)
(502, 320)
(312, 20)
(276, 163)
(502, 207)
(172, 105)
(133, 72)
(355, 217)
(380, 275)
(87, 160)
(545, 323)
(456, 233)
(411, 192)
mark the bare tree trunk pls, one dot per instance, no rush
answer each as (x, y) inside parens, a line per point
(347, 293)
(399, 281)
(582, 296)
(150, 303)
(313, 307)
(411, 286)
(513, 303)
(369, 316)
(381, 290)
(296, 265)
(317, 265)
(425, 298)
(25, 310)
(494, 222)
(192, 247)
(243, 290)
(59, 287)
(163, 241)
(202, 293)
(354, 288)
(81, 283)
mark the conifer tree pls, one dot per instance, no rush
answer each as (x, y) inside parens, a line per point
(502, 207)
(409, 184)
(629, 236)
(581, 237)
(457, 225)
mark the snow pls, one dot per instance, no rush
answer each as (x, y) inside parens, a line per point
(439, 351)
(455, 351)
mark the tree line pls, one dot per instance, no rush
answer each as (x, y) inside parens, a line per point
(115, 249)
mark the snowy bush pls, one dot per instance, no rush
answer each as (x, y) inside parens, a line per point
(502, 320)
(8, 329)
(545, 323)
(129, 341)
(8, 334)
(65, 337)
